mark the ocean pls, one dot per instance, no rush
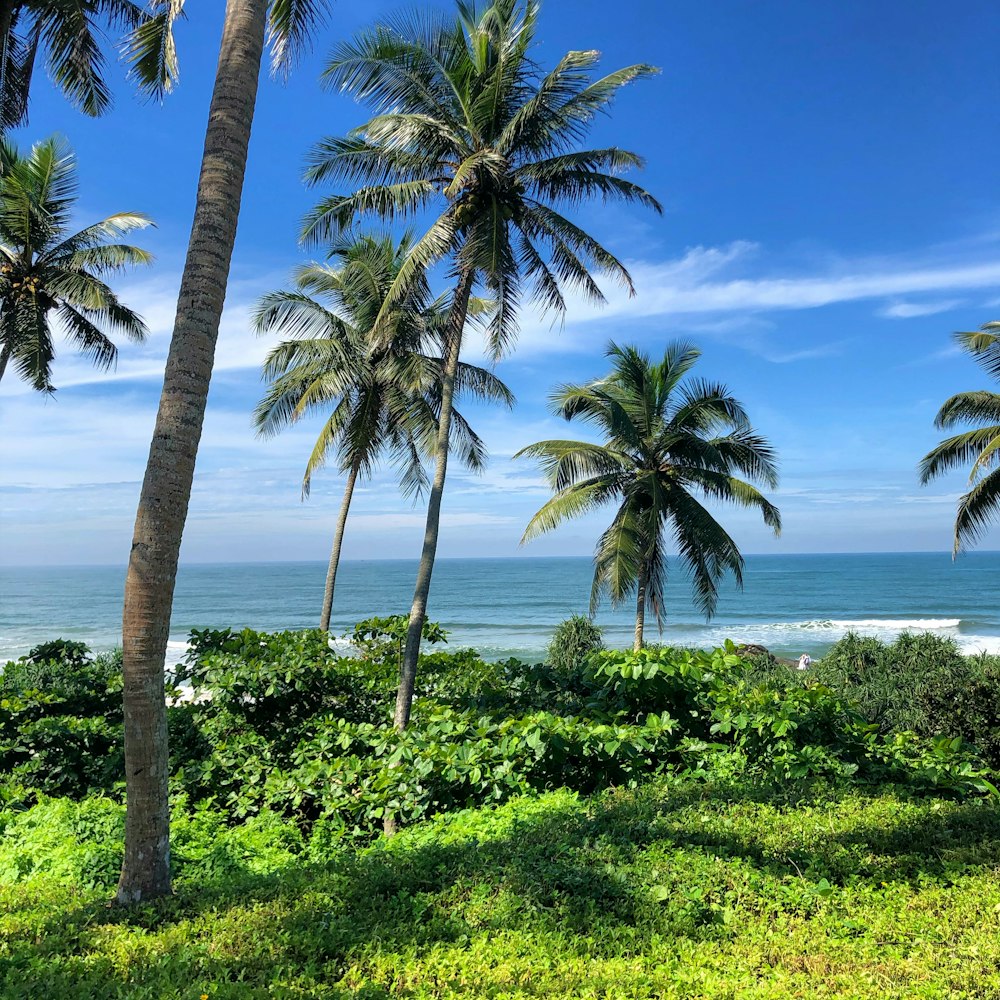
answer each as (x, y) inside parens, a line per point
(791, 604)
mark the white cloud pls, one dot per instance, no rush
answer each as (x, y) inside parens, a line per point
(708, 289)
(911, 310)
(714, 282)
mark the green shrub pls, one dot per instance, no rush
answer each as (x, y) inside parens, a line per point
(61, 720)
(384, 639)
(966, 704)
(573, 642)
(888, 682)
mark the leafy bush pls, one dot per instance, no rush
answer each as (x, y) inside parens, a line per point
(573, 641)
(920, 683)
(382, 638)
(966, 704)
(283, 724)
(61, 721)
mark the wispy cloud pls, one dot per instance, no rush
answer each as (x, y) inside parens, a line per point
(911, 310)
(715, 289)
(720, 291)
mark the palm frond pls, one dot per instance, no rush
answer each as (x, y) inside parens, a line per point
(966, 407)
(958, 450)
(291, 27)
(977, 509)
(151, 51)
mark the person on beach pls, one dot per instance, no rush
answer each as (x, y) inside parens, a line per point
(804, 661)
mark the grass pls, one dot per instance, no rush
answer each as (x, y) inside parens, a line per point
(671, 890)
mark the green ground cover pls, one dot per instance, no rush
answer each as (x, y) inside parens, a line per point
(675, 889)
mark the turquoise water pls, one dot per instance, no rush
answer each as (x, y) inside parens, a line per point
(509, 607)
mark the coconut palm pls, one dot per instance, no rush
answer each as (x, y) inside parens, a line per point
(69, 33)
(166, 487)
(669, 444)
(383, 394)
(981, 446)
(465, 121)
(52, 276)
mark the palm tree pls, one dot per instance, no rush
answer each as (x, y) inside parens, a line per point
(465, 119)
(981, 446)
(69, 33)
(166, 487)
(49, 273)
(666, 442)
(385, 392)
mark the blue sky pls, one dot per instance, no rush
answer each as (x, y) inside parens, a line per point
(832, 215)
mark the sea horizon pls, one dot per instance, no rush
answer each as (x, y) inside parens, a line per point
(509, 605)
(517, 557)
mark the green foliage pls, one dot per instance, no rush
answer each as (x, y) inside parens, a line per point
(51, 277)
(281, 723)
(61, 720)
(727, 799)
(920, 682)
(379, 638)
(978, 508)
(673, 890)
(966, 703)
(572, 644)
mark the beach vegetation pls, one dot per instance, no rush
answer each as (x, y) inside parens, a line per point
(668, 445)
(980, 506)
(644, 823)
(921, 683)
(379, 389)
(166, 487)
(572, 643)
(676, 888)
(468, 125)
(52, 277)
(283, 722)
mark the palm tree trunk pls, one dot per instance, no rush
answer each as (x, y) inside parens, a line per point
(640, 609)
(418, 612)
(6, 23)
(166, 488)
(338, 538)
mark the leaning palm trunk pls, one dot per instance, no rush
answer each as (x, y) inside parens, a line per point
(166, 488)
(338, 539)
(640, 609)
(418, 612)
(6, 20)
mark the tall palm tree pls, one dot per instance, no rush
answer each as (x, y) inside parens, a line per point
(49, 273)
(385, 392)
(667, 442)
(166, 487)
(69, 32)
(465, 120)
(981, 446)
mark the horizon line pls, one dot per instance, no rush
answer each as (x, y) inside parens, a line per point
(416, 559)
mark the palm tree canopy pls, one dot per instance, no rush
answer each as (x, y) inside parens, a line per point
(48, 272)
(981, 446)
(668, 440)
(70, 33)
(381, 396)
(463, 114)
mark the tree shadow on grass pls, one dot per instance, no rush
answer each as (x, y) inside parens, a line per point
(563, 868)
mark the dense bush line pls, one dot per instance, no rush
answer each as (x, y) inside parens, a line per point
(283, 724)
